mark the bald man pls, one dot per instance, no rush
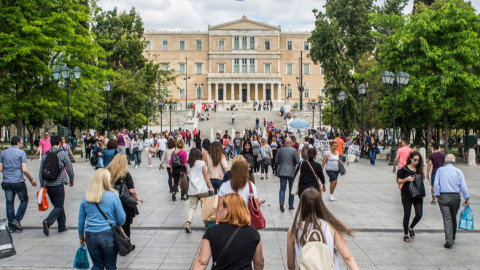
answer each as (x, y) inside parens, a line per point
(286, 160)
(449, 182)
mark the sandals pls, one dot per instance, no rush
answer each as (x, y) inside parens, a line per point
(411, 233)
(406, 238)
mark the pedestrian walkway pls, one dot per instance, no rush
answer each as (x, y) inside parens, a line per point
(368, 201)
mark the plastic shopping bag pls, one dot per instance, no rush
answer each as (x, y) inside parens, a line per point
(466, 219)
(42, 200)
(6, 242)
(81, 259)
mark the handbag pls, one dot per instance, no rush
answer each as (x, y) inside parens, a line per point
(122, 242)
(227, 244)
(6, 241)
(417, 188)
(94, 160)
(42, 200)
(184, 183)
(256, 218)
(341, 168)
(125, 196)
(296, 181)
(209, 208)
(266, 160)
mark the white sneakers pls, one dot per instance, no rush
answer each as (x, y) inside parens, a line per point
(331, 198)
(136, 166)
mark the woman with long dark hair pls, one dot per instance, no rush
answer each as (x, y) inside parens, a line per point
(405, 176)
(180, 168)
(313, 214)
(247, 153)
(171, 144)
(216, 164)
(255, 151)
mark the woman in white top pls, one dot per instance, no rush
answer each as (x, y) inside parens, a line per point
(238, 183)
(199, 183)
(330, 163)
(314, 215)
(148, 145)
(162, 146)
(137, 146)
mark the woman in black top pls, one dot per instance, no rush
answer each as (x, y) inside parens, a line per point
(247, 153)
(246, 247)
(372, 150)
(311, 173)
(405, 176)
(89, 143)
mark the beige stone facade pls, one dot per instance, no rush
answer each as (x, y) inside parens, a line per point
(238, 61)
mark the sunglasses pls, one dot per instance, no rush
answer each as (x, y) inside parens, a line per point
(416, 159)
(100, 140)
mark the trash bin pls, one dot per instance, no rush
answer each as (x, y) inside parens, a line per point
(472, 139)
(73, 142)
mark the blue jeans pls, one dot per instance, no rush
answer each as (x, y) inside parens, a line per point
(12, 189)
(102, 250)
(216, 183)
(137, 156)
(57, 197)
(236, 152)
(373, 156)
(283, 188)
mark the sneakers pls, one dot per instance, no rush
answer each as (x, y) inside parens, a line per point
(331, 198)
(282, 208)
(136, 166)
(46, 228)
(433, 202)
(16, 224)
(149, 166)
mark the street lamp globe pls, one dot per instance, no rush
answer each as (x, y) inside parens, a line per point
(107, 86)
(341, 96)
(65, 72)
(320, 103)
(403, 78)
(77, 73)
(388, 77)
(362, 89)
(56, 74)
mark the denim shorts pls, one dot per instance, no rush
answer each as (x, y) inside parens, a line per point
(332, 175)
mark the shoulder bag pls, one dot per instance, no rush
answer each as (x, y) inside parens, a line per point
(125, 197)
(256, 218)
(184, 182)
(122, 242)
(227, 244)
(341, 166)
(417, 188)
(266, 160)
(296, 181)
(316, 177)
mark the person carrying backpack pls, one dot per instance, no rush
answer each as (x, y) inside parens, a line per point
(314, 234)
(56, 171)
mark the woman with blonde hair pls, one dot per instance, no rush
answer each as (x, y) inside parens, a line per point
(313, 214)
(245, 246)
(121, 176)
(93, 229)
(216, 164)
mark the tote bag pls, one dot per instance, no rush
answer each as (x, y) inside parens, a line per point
(256, 217)
(209, 208)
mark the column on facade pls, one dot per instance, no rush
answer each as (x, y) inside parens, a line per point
(224, 92)
(248, 92)
(256, 91)
(209, 92)
(264, 91)
(232, 91)
(279, 92)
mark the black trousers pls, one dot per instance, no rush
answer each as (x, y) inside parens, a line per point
(407, 202)
(176, 177)
(256, 164)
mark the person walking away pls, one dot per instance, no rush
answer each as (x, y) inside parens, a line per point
(93, 229)
(13, 165)
(233, 220)
(109, 152)
(53, 179)
(44, 144)
(250, 158)
(402, 155)
(128, 146)
(148, 146)
(303, 148)
(265, 158)
(216, 164)
(178, 168)
(199, 184)
(264, 123)
(331, 161)
(120, 176)
(287, 160)
(137, 146)
(255, 151)
(313, 214)
(257, 123)
(171, 145)
(238, 182)
(449, 182)
(233, 119)
(162, 146)
(237, 144)
(88, 146)
(311, 173)
(435, 161)
(372, 150)
(121, 141)
(405, 176)
(97, 151)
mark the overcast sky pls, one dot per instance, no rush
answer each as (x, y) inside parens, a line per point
(198, 14)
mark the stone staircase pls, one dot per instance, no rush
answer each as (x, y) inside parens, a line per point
(244, 119)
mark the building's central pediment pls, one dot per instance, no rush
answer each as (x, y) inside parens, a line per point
(243, 24)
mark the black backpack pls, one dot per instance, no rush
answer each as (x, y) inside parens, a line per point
(176, 160)
(51, 167)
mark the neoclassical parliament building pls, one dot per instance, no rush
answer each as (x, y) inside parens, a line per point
(238, 61)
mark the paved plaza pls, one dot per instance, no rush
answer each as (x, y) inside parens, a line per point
(368, 201)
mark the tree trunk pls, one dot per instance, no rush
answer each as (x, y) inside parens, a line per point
(19, 126)
(31, 135)
(429, 136)
(445, 134)
(418, 136)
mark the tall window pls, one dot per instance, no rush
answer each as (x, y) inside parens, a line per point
(199, 45)
(289, 45)
(181, 93)
(221, 68)
(165, 45)
(221, 44)
(289, 68)
(306, 68)
(306, 93)
(244, 65)
(252, 65)
(182, 45)
(267, 44)
(236, 43)
(322, 71)
(244, 43)
(236, 65)
(306, 46)
(252, 43)
(182, 69)
(267, 68)
(148, 45)
(289, 92)
(199, 68)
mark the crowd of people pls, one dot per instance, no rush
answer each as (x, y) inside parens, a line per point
(205, 164)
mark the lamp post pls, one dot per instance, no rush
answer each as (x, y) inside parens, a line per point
(170, 105)
(160, 104)
(341, 98)
(301, 80)
(285, 87)
(362, 89)
(106, 88)
(331, 113)
(312, 106)
(320, 104)
(67, 75)
(186, 83)
(146, 113)
(401, 78)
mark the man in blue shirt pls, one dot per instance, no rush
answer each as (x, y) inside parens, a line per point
(449, 182)
(13, 165)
